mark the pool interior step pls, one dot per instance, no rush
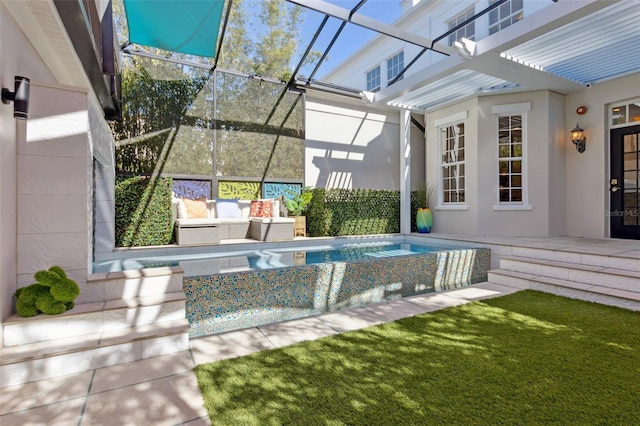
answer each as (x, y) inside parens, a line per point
(600, 281)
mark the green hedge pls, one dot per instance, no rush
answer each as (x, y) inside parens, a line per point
(143, 211)
(340, 212)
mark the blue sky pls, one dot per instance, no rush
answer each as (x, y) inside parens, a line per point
(353, 37)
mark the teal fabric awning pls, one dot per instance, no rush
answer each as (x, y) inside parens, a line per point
(184, 26)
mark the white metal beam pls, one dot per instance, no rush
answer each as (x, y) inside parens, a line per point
(372, 24)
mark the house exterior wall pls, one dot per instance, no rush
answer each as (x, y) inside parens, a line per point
(543, 213)
(542, 216)
(46, 172)
(54, 184)
(587, 174)
(459, 220)
(348, 145)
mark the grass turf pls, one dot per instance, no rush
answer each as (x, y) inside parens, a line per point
(526, 358)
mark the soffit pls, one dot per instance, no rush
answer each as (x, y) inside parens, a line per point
(595, 48)
(455, 86)
(40, 21)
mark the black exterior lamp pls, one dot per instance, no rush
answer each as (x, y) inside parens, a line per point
(578, 138)
(19, 97)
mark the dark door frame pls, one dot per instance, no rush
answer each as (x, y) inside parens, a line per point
(624, 221)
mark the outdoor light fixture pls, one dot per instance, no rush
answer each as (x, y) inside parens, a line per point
(578, 138)
(19, 96)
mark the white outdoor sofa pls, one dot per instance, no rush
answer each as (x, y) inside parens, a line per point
(228, 220)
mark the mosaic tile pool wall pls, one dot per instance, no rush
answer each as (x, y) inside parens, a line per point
(231, 301)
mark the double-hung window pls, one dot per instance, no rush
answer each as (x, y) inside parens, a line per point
(373, 79)
(504, 15)
(468, 31)
(452, 164)
(395, 64)
(512, 177)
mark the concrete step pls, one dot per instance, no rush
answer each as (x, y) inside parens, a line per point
(618, 261)
(624, 280)
(97, 317)
(54, 358)
(567, 288)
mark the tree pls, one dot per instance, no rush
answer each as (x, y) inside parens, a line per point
(170, 125)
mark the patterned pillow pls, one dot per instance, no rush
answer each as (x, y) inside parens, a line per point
(260, 208)
(196, 208)
(227, 208)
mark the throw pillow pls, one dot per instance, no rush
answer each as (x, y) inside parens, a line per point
(260, 208)
(197, 208)
(182, 209)
(227, 208)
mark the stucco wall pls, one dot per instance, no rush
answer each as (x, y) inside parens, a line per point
(349, 145)
(587, 174)
(544, 165)
(447, 219)
(543, 215)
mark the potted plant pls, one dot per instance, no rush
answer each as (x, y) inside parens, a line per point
(296, 203)
(424, 216)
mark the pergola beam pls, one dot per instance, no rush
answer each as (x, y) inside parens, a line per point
(372, 24)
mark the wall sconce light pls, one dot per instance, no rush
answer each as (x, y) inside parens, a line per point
(19, 96)
(578, 138)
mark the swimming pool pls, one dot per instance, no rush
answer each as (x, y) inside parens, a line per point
(256, 259)
(281, 284)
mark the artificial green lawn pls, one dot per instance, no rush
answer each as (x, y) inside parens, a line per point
(526, 358)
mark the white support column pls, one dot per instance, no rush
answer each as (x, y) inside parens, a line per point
(405, 171)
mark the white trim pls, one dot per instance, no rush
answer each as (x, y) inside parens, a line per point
(451, 118)
(452, 206)
(505, 111)
(624, 104)
(511, 109)
(512, 207)
(366, 79)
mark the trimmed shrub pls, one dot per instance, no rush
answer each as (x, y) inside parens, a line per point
(143, 211)
(52, 294)
(340, 212)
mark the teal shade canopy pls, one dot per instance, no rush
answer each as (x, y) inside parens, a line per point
(184, 26)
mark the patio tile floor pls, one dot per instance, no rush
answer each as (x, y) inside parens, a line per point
(164, 391)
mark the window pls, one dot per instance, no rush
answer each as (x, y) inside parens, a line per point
(625, 114)
(510, 158)
(394, 66)
(468, 31)
(373, 79)
(452, 163)
(504, 15)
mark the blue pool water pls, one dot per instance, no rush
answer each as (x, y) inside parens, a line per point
(195, 264)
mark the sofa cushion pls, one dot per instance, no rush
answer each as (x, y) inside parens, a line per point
(273, 220)
(197, 222)
(227, 208)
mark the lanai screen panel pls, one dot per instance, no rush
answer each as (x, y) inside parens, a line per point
(259, 129)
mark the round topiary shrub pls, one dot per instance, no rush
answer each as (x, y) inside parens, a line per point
(52, 294)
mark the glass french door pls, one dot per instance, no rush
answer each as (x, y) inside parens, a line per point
(624, 183)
